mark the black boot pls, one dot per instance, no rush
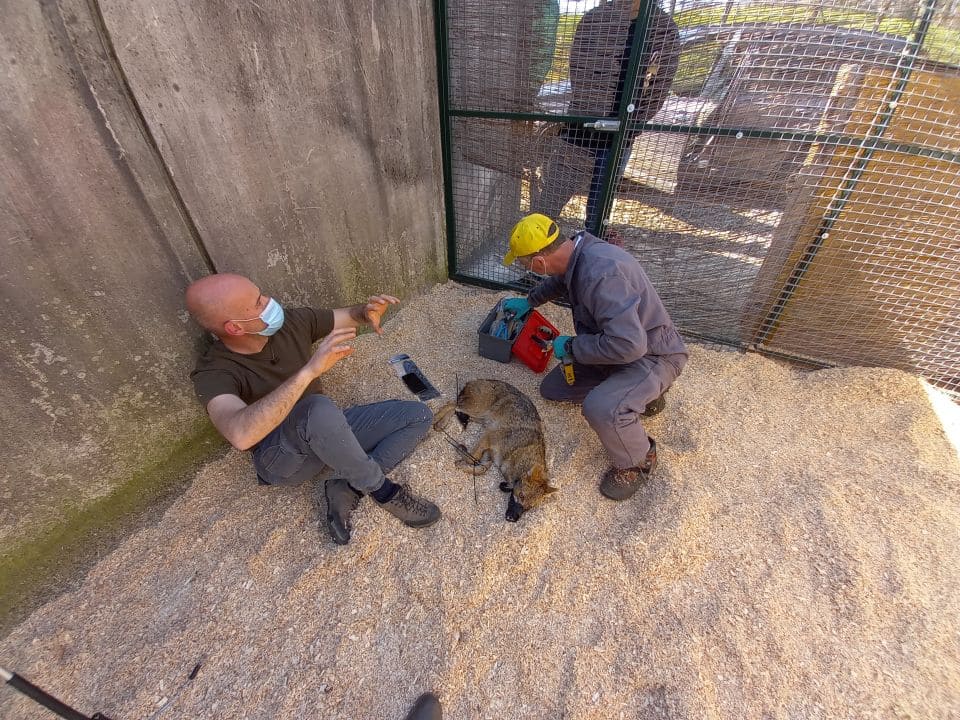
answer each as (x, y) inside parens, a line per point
(427, 707)
(622, 483)
(655, 407)
(342, 500)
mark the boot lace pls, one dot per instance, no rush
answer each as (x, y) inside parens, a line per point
(408, 501)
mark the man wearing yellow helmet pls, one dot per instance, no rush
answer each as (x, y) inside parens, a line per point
(626, 352)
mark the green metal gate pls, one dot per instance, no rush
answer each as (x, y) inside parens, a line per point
(787, 173)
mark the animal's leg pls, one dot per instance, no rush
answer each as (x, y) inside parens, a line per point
(443, 416)
(465, 460)
(469, 468)
(484, 461)
(483, 453)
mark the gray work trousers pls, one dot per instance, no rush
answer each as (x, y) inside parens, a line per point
(613, 397)
(572, 169)
(358, 444)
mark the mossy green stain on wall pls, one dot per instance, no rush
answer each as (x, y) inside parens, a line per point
(359, 278)
(45, 563)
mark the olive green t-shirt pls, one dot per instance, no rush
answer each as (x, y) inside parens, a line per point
(220, 371)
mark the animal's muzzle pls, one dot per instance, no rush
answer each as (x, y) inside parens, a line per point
(514, 509)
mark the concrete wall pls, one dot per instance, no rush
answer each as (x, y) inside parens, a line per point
(145, 145)
(303, 136)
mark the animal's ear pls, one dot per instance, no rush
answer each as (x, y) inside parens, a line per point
(463, 418)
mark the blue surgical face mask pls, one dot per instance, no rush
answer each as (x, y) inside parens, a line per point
(272, 315)
(543, 275)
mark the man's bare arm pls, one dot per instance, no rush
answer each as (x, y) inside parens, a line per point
(245, 425)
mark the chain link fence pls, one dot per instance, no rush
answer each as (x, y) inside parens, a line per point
(788, 173)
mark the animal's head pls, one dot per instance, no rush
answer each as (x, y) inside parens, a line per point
(478, 395)
(529, 492)
(469, 393)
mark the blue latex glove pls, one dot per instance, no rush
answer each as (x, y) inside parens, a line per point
(560, 347)
(519, 305)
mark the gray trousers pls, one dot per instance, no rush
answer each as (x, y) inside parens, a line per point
(572, 169)
(358, 444)
(613, 396)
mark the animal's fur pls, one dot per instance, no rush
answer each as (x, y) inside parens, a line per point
(512, 439)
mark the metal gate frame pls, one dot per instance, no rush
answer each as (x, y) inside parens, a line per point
(865, 148)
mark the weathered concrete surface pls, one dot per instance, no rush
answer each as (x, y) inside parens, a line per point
(299, 146)
(92, 273)
(303, 136)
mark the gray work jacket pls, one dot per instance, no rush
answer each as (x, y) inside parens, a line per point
(618, 316)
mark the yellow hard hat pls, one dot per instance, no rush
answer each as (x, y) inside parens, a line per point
(531, 234)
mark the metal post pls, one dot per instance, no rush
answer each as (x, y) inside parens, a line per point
(626, 100)
(443, 93)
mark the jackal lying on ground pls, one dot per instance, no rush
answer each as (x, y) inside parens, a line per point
(512, 440)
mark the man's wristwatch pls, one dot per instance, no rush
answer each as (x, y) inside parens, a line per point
(568, 347)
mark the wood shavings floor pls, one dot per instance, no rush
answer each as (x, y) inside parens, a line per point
(796, 556)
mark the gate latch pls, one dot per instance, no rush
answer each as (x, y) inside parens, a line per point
(605, 125)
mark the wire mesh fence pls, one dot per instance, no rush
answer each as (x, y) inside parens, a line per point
(787, 173)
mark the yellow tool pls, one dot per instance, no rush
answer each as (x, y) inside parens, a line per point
(567, 363)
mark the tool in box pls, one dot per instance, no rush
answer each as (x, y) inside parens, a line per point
(530, 338)
(543, 336)
(534, 344)
(505, 325)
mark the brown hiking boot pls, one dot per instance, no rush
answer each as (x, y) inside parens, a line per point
(342, 500)
(411, 510)
(622, 483)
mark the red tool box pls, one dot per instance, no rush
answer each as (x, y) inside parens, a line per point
(534, 344)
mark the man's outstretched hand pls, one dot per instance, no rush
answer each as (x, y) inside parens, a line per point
(375, 308)
(331, 350)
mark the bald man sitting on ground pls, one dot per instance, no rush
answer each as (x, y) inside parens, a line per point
(260, 384)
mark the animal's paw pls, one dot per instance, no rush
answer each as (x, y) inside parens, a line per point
(469, 467)
(442, 417)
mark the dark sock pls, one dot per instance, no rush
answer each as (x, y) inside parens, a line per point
(385, 492)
